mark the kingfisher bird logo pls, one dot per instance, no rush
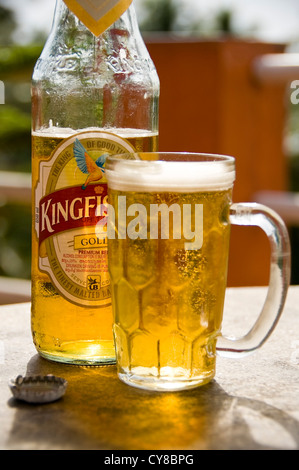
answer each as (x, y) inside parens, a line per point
(93, 169)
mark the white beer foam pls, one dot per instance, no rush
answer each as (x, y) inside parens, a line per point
(157, 176)
(66, 132)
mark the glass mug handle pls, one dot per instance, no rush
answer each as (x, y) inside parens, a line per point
(253, 214)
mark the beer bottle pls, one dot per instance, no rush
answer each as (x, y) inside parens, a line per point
(95, 92)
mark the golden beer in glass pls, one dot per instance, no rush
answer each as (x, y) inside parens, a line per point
(168, 245)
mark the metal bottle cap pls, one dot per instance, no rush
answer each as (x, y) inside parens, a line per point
(38, 389)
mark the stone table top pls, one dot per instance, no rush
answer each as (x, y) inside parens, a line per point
(253, 402)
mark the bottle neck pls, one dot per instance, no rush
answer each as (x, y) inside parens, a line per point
(107, 81)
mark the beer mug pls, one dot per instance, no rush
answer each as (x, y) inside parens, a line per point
(168, 230)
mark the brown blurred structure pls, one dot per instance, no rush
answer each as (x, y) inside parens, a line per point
(212, 101)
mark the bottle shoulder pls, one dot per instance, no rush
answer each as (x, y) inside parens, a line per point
(79, 54)
(93, 61)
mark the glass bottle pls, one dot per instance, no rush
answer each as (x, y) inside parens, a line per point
(91, 97)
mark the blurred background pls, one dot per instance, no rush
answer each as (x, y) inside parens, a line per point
(226, 26)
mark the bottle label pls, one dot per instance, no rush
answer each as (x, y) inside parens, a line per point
(70, 197)
(98, 15)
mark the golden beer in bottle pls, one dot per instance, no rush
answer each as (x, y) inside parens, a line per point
(95, 93)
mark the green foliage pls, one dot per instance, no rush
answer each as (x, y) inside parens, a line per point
(161, 15)
(224, 22)
(15, 220)
(15, 139)
(7, 25)
(13, 122)
(174, 15)
(18, 60)
(16, 65)
(15, 241)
